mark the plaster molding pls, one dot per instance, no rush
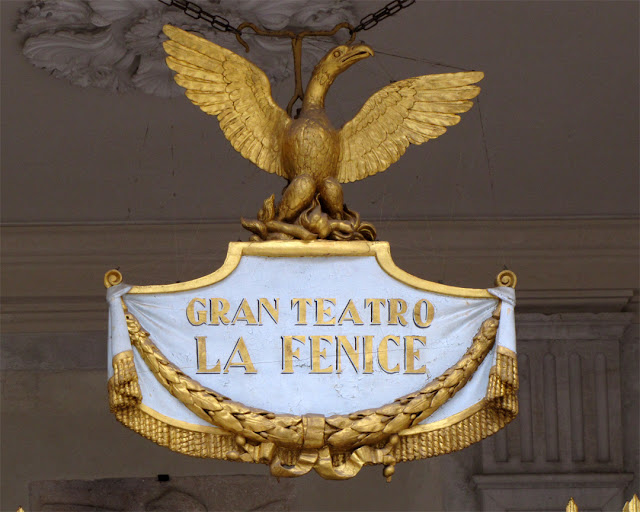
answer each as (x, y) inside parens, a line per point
(577, 327)
(550, 480)
(194, 493)
(595, 491)
(116, 45)
(52, 274)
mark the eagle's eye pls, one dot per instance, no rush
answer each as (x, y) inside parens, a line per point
(337, 53)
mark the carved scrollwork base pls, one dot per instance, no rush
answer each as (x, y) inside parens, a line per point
(312, 223)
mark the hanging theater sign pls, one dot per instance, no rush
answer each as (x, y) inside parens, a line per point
(309, 349)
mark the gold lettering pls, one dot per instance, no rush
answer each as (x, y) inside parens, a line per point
(321, 312)
(302, 309)
(411, 356)
(354, 316)
(317, 354)
(375, 304)
(397, 308)
(202, 357)
(247, 314)
(217, 314)
(383, 354)
(368, 354)
(351, 351)
(271, 310)
(288, 353)
(245, 360)
(196, 317)
(417, 313)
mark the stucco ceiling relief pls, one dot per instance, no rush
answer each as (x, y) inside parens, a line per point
(116, 45)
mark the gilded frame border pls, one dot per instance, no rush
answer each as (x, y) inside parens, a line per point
(494, 411)
(314, 249)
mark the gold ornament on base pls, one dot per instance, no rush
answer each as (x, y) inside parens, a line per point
(336, 446)
(308, 151)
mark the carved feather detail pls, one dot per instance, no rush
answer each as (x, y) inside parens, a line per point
(410, 111)
(307, 151)
(224, 84)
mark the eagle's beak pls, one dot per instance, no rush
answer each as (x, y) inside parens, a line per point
(355, 53)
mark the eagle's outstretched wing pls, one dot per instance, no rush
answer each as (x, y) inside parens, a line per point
(224, 84)
(408, 111)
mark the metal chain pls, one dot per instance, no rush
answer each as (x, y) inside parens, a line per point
(222, 24)
(371, 20)
(196, 12)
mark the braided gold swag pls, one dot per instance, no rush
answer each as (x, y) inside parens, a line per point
(336, 447)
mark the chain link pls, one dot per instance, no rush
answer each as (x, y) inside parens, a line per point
(222, 24)
(371, 20)
(196, 12)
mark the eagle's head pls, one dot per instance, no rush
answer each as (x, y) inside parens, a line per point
(342, 58)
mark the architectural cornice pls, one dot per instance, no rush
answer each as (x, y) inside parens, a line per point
(52, 274)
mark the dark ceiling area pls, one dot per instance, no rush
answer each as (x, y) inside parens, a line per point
(554, 132)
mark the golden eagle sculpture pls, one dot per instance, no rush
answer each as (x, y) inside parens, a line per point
(308, 151)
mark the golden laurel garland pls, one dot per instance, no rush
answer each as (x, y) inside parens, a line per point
(336, 447)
